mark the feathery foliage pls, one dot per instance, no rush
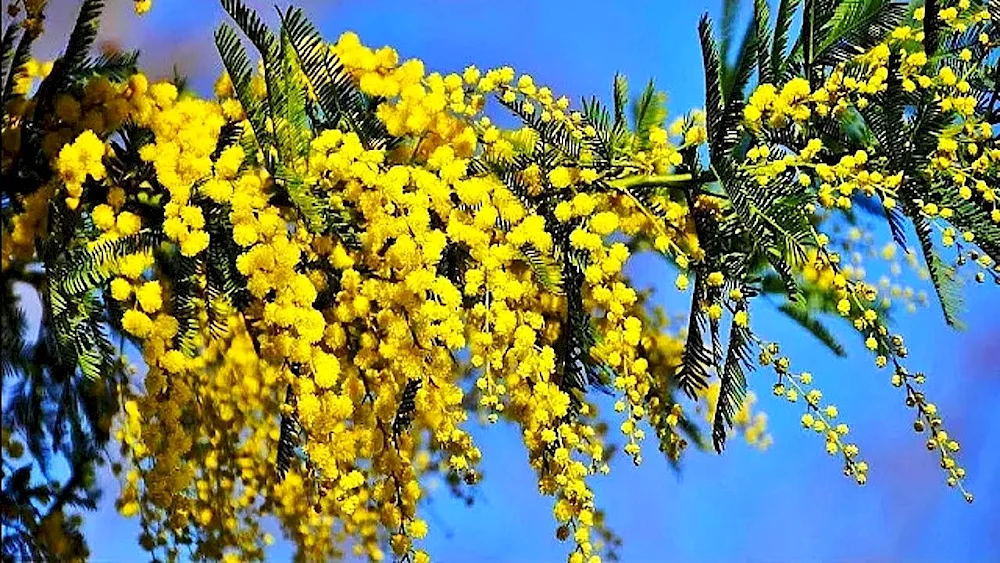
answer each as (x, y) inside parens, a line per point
(328, 267)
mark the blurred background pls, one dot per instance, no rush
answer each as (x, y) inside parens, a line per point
(790, 503)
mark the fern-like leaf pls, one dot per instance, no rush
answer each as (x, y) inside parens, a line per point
(620, 96)
(88, 268)
(782, 30)
(737, 76)
(117, 66)
(932, 26)
(81, 39)
(721, 137)
(10, 35)
(648, 111)
(762, 24)
(855, 26)
(289, 435)
(802, 316)
(692, 374)
(237, 64)
(942, 275)
(733, 387)
(343, 105)
(546, 272)
(20, 57)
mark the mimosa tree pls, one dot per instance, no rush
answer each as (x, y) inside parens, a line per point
(337, 259)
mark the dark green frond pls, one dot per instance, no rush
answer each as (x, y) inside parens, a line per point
(81, 39)
(546, 272)
(802, 316)
(312, 208)
(342, 103)
(733, 387)
(649, 110)
(852, 27)
(229, 135)
(13, 323)
(292, 128)
(88, 268)
(117, 66)
(942, 275)
(506, 172)
(932, 26)
(289, 437)
(736, 76)
(782, 31)
(185, 294)
(407, 406)
(577, 369)
(455, 262)
(885, 119)
(696, 359)
(10, 35)
(21, 55)
(604, 142)
(224, 282)
(237, 64)
(255, 30)
(620, 95)
(550, 133)
(720, 137)
(762, 24)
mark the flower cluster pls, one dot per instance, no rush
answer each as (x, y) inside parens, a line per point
(321, 299)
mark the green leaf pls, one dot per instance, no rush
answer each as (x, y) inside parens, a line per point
(10, 35)
(762, 23)
(81, 39)
(692, 374)
(737, 76)
(551, 133)
(804, 318)
(21, 55)
(722, 122)
(604, 143)
(117, 66)
(289, 436)
(932, 26)
(621, 100)
(87, 269)
(342, 103)
(714, 101)
(648, 111)
(834, 32)
(808, 38)
(546, 272)
(782, 29)
(237, 64)
(733, 387)
(942, 275)
(727, 29)
(258, 33)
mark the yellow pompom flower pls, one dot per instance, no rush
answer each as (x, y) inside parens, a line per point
(150, 296)
(137, 323)
(560, 177)
(128, 223)
(104, 217)
(121, 289)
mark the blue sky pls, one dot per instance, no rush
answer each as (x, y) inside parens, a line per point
(788, 504)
